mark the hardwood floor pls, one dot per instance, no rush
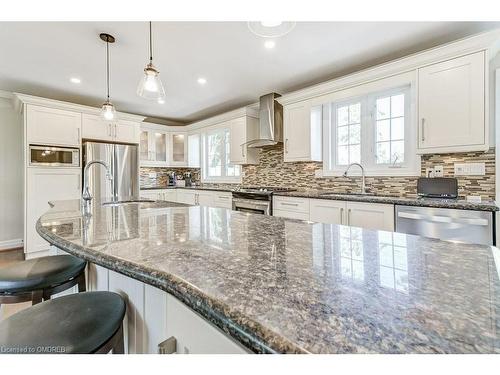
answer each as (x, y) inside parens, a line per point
(8, 257)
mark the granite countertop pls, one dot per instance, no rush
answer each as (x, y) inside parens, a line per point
(280, 285)
(462, 204)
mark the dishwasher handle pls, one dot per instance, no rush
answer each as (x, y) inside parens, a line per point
(443, 219)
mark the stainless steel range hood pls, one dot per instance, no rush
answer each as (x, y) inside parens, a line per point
(270, 122)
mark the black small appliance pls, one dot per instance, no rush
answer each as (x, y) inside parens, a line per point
(437, 187)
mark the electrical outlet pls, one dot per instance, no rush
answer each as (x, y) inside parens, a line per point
(429, 172)
(470, 169)
(438, 171)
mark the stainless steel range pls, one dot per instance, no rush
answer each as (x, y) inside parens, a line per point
(257, 200)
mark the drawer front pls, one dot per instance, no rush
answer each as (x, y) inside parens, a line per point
(223, 199)
(300, 205)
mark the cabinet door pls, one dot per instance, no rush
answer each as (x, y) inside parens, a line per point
(97, 278)
(186, 196)
(237, 138)
(178, 154)
(53, 126)
(149, 194)
(194, 334)
(170, 195)
(327, 211)
(126, 132)
(297, 132)
(291, 214)
(194, 150)
(370, 215)
(205, 198)
(133, 293)
(145, 147)
(93, 127)
(44, 185)
(451, 105)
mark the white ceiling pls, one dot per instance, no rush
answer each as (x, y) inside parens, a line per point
(38, 58)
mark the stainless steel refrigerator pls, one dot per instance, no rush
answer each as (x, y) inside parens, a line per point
(124, 163)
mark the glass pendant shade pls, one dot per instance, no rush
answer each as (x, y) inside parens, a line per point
(108, 112)
(150, 86)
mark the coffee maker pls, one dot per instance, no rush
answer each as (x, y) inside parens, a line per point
(188, 179)
(171, 178)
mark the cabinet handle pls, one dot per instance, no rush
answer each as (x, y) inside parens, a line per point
(77, 135)
(349, 217)
(109, 130)
(341, 216)
(115, 131)
(289, 204)
(78, 182)
(169, 346)
(423, 129)
(286, 146)
(243, 150)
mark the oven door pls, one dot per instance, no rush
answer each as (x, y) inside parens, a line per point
(54, 156)
(253, 206)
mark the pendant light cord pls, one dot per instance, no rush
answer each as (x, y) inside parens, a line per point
(107, 66)
(150, 44)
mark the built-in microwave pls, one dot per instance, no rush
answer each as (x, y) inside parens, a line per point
(54, 156)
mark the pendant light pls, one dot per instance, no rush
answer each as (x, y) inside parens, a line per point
(108, 111)
(150, 86)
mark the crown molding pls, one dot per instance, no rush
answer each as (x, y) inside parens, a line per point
(22, 99)
(249, 111)
(485, 41)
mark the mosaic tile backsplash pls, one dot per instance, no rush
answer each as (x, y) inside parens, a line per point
(273, 171)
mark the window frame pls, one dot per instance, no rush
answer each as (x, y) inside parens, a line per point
(411, 165)
(226, 147)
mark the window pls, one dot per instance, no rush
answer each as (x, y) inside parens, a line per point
(374, 130)
(216, 152)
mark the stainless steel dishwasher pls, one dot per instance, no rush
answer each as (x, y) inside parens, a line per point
(446, 224)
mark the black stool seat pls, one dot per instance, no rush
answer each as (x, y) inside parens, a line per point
(77, 323)
(39, 273)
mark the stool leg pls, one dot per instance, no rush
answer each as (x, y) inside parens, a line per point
(36, 297)
(81, 283)
(119, 346)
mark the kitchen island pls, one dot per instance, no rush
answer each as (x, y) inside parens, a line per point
(278, 285)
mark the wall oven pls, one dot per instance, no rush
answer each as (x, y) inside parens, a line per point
(49, 156)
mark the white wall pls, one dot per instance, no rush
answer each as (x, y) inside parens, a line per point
(11, 176)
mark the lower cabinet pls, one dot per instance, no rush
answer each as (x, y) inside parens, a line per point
(160, 194)
(357, 214)
(154, 317)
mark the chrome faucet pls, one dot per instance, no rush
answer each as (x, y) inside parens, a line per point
(363, 186)
(86, 196)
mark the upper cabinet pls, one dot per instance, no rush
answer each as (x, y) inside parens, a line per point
(302, 129)
(123, 131)
(154, 147)
(242, 130)
(53, 126)
(178, 149)
(451, 105)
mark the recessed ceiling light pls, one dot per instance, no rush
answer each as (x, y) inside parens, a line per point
(202, 81)
(271, 23)
(161, 101)
(75, 80)
(269, 44)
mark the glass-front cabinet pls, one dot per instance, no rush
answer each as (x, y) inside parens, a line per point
(179, 149)
(154, 146)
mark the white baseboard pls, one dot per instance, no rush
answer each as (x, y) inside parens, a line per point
(11, 244)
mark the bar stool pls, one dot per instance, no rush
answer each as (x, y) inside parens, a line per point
(40, 278)
(90, 322)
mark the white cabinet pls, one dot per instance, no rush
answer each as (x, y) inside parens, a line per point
(222, 199)
(357, 214)
(370, 215)
(133, 293)
(95, 128)
(178, 150)
(451, 105)
(242, 130)
(53, 126)
(302, 130)
(154, 146)
(169, 195)
(194, 150)
(160, 194)
(327, 211)
(291, 207)
(186, 196)
(44, 185)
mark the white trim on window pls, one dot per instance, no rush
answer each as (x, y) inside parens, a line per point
(223, 178)
(410, 166)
